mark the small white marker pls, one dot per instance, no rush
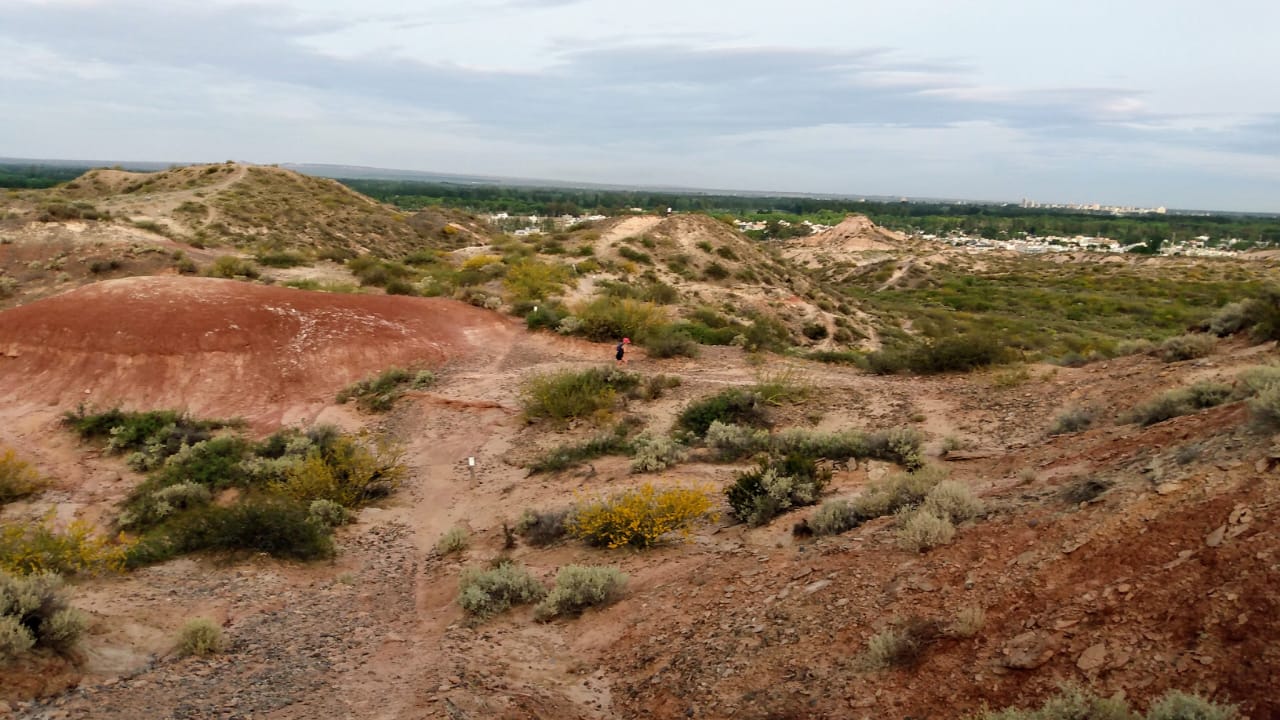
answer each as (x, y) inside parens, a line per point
(471, 461)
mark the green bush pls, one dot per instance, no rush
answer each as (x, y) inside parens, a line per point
(668, 341)
(656, 453)
(1229, 319)
(546, 316)
(1073, 704)
(569, 394)
(564, 457)
(954, 353)
(281, 259)
(485, 593)
(34, 613)
(1180, 401)
(200, 637)
(759, 495)
(230, 267)
(578, 588)
(379, 393)
(328, 513)
(454, 540)
(1185, 347)
(274, 526)
(732, 406)
(1265, 405)
(610, 319)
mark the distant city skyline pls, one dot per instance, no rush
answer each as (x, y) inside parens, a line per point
(1145, 103)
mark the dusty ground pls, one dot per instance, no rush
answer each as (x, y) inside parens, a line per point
(1165, 580)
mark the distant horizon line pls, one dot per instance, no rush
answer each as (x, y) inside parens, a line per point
(520, 181)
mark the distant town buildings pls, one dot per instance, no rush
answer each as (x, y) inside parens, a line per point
(1112, 209)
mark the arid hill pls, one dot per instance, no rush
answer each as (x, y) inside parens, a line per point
(220, 348)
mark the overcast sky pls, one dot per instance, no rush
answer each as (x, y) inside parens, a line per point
(1144, 102)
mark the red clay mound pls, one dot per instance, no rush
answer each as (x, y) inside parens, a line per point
(221, 348)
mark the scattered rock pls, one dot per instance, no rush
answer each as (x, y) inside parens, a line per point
(1027, 651)
(1092, 658)
(1214, 538)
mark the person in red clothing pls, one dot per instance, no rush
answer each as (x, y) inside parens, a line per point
(621, 350)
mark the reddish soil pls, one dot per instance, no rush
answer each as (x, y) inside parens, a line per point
(221, 348)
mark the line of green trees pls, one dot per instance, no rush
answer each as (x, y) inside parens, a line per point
(15, 176)
(990, 221)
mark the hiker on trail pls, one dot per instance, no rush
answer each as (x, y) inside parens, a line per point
(621, 349)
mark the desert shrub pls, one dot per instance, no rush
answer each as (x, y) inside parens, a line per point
(161, 503)
(1141, 346)
(952, 500)
(656, 453)
(214, 463)
(635, 255)
(1068, 704)
(1185, 347)
(28, 547)
(345, 471)
(380, 392)
(639, 518)
(608, 318)
(715, 271)
(814, 331)
(654, 386)
(328, 513)
(1264, 316)
(1229, 319)
(230, 267)
(775, 486)
(568, 394)
(782, 386)
(668, 341)
(1177, 705)
(280, 259)
(1084, 489)
(542, 527)
(1180, 401)
(580, 587)
(563, 457)
(838, 357)
(17, 478)
(546, 316)
(484, 593)
(530, 280)
(732, 442)
(34, 612)
(373, 271)
(921, 530)
(896, 491)
(968, 622)
(902, 645)
(455, 539)
(1265, 405)
(1073, 419)
(834, 517)
(959, 353)
(274, 526)
(899, 445)
(200, 637)
(1252, 380)
(733, 406)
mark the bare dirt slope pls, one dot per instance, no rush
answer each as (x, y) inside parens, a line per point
(222, 348)
(1161, 576)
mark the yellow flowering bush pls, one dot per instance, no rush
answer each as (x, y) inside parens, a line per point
(640, 517)
(33, 547)
(17, 478)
